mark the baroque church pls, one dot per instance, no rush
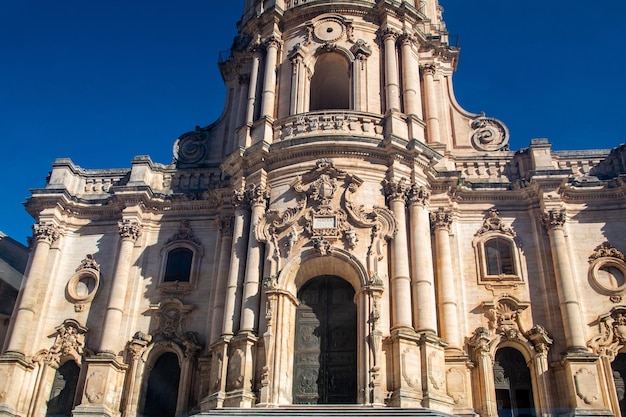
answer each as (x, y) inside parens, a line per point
(344, 240)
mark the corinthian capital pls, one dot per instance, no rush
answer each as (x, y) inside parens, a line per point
(418, 195)
(389, 33)
(554, 219)
(257, 195)
(45, 232)
(429, 69)
(129, 230)
(396, 190)
(441, 219)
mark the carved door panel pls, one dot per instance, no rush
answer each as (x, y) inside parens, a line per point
(325, 343)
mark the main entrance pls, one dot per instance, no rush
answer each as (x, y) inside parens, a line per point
(325, 343)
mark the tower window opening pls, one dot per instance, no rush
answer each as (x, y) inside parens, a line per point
(330, 84)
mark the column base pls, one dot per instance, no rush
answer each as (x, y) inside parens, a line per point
(102, 393)
(15, 380)
(396, 125)
(417, 128)
(240, 372)
(581, 378)
(217, 376)
(405, 366)
(459, 382)
(434, 374)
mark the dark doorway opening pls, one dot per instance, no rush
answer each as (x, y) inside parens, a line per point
(325, 345)
(162, 391)
(63, 391)
(514, 392)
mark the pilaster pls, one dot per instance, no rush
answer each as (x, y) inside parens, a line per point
(102, 393)
(240, 372)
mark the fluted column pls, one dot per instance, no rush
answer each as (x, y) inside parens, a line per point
(448, 308)
(269, 81)
(401, 280)
(111, 338)
(391, 70)
(432, 108)
(242, 102)
(251, 289)
(226, 244)
(411, 80)
(232, 302)
(554, 222)
(297, 81)
(34, 284)
(425, 303)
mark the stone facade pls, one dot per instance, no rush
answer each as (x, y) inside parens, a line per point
(344, 233)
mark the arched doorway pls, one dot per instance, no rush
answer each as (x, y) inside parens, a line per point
(619, 379)
(63, 391)
(325, 348)
(162, 390)
(514, 393)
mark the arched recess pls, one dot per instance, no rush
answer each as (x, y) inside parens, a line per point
(63, 392)
(331, 83)
(160, 375)
(514, 391)
(282, 298)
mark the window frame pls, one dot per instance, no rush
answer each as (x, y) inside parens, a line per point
(180, 287)
(480, 252)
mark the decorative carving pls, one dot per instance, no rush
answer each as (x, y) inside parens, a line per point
(240, 200)
(612, 335)
(94, 390)
(480, 340)
(489, 134)
(322, 246)
(191, 345)
(329, 29)
(455, 382)
(69, 342)
(192, 147)
(45, 232)
(89, 263)
(418, 195)
(257, 196)
(336, 121)
(235, 368)
(137, 345)
(493, 223)
(410, 362)
(606, 250)
(396, 190)
(554, 219)
(171, 320)
(361, 50)
(270, 283)
(184, 233)
(504, 315)
(226, 225)
(436, 370)
(538, 336)
(129, 230)
(441, 219)
(586, 386)
(4, 384)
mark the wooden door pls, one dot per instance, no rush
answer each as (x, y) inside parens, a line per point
(325, 343)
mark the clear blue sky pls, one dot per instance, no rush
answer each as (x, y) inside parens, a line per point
(102, 81)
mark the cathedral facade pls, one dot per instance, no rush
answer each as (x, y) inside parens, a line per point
(345, 236)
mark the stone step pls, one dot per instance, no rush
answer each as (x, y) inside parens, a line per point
(327, 411)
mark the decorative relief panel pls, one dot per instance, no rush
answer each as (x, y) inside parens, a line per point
(69, 343)
(171, 320)
(612, 329)
(455, 382)
(489, 134)
(586, 384)
(326, 217)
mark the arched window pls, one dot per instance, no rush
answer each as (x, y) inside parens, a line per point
(63, 391)
(499, 257)
(330, 84)
(514, 393)
(178, 266)
(162, 390)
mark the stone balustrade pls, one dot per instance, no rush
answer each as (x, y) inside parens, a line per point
(339, 123)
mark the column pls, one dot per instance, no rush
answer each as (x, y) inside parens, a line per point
(391, 70)
(254, 79)
(111, 338)
(485, 402)
(33, 286)
(232, 300)
(425, 303)
(401, 280)
(226, 243)
(554, 221)
(411, 80)
(448, 309)
(251, 290)
(432, 109)
(242, 101)
(269, 81)
(297, 81)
